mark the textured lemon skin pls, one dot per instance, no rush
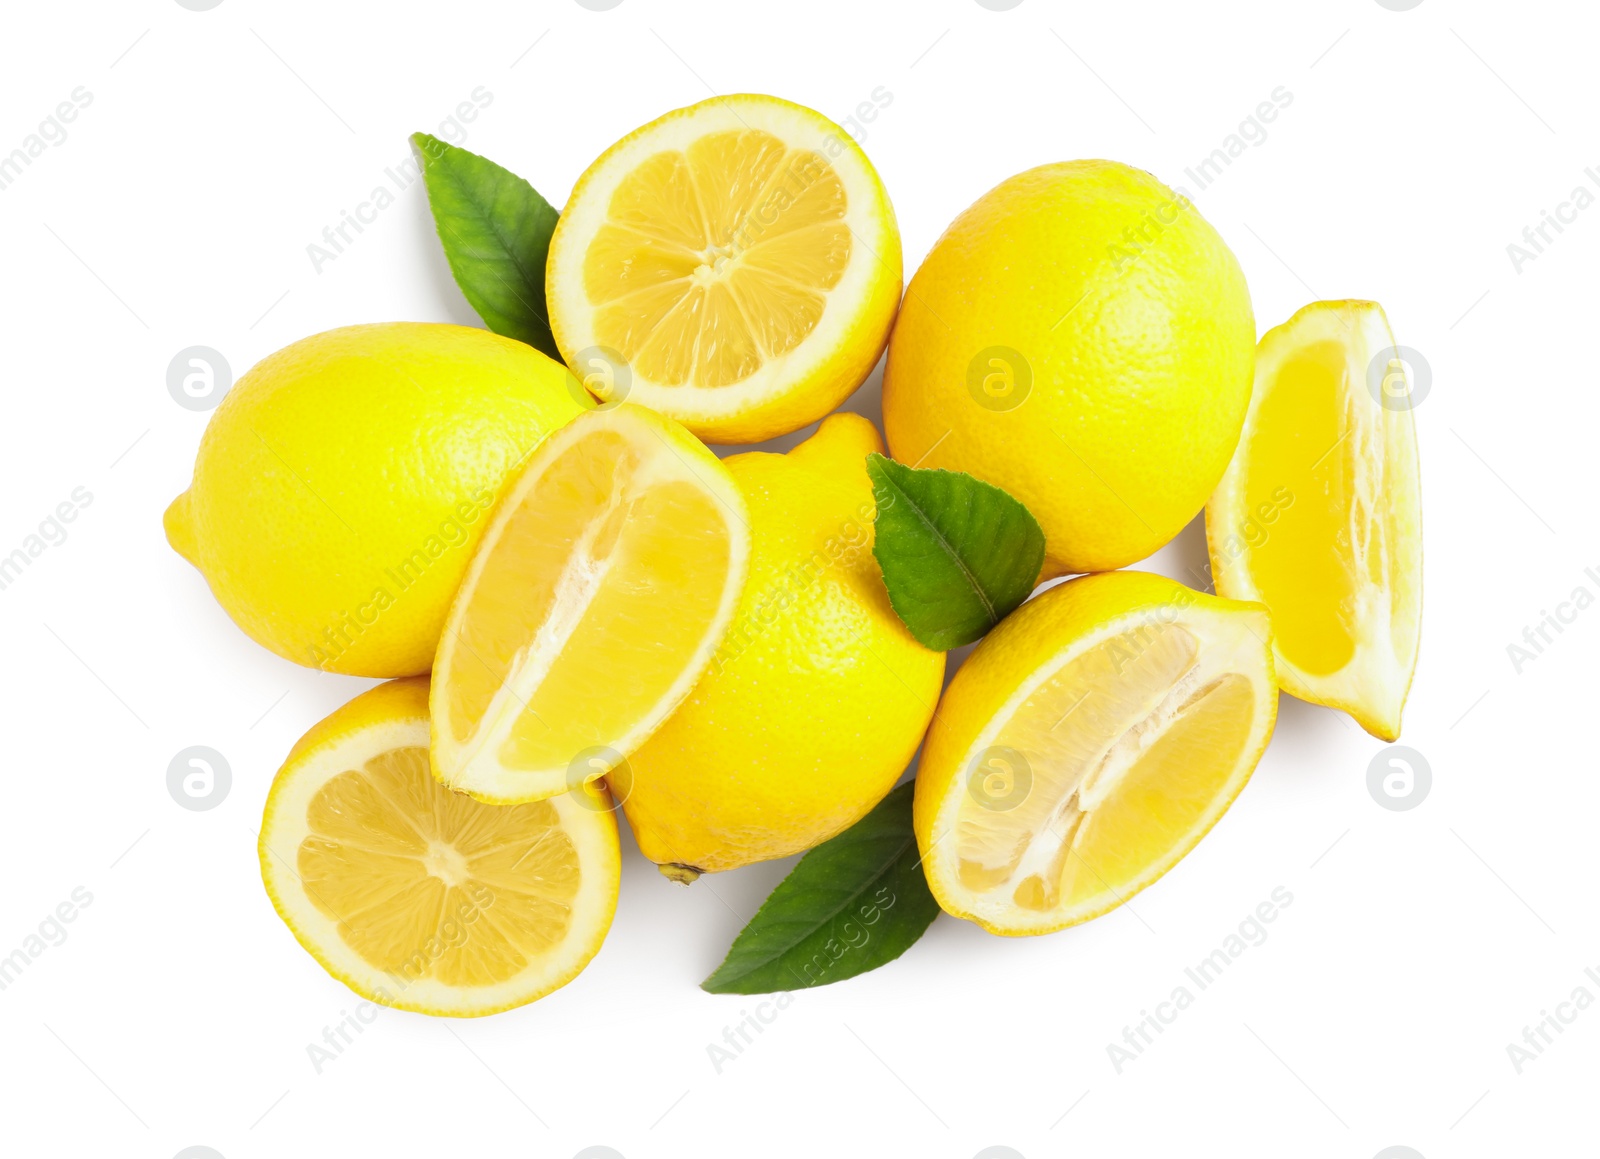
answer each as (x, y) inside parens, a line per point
(391, 706)
(340, 488)
(825, 385)
(1020, 645)
(818, 696)
(1135, 321)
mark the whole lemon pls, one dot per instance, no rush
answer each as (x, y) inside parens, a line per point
(818, 695)
(343, 483)
(1081, 337)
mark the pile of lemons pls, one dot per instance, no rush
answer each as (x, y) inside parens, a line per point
(577, 604)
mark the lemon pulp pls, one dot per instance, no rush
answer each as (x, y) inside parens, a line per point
(1116, 757)
(605, 581)
(1303, 456)
(1319, 514)
(425, 883)
(717, 258)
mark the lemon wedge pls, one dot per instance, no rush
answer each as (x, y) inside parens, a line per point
(1086, 745)
(606, 578)
(423, 899)
(1319, 515)
(734, 265)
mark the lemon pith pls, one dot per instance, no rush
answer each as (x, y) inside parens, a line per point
(1319, 514)
(1081, 337)
(423, 899)
(557, 655)
(1087, 745)
(818, 694)
(738, 257)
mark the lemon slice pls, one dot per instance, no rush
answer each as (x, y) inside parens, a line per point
(1319, 515)
(1086, 745)
(605, 580)
(735, 265)
(423, 899)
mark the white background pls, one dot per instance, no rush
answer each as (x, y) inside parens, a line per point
(177, 212)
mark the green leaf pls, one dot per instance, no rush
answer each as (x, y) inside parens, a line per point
(957, 554)
(495, 229)
(852, 904)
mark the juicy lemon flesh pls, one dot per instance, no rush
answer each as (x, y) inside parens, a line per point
(1127, 750)
(602, 578)
(424, 882)
(717, 258)
(1305, 564)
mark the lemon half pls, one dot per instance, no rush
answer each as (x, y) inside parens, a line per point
(423, 899)
(734, 265)
(1087, 745)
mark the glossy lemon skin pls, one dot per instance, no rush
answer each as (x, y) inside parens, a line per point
(818, 696)
(1081, 337)
(340, 488)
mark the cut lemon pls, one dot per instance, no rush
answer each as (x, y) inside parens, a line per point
(423, 899)
(604, 582)
(735, 265)
(1086, 745)
(1319, 515)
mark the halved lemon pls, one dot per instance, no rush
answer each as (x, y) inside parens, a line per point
(1086, 745)
(1319, 515)
(605, 580)
(735, 265)
(420, 898)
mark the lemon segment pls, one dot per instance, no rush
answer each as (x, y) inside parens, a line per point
(1087, 745)
(420, 898)
(739, 257)
(605, 581)
(818, 695)
(1319, 514)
